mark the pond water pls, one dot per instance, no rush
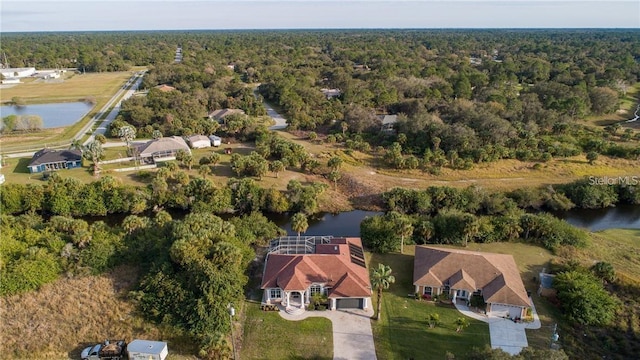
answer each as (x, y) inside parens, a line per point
(348, 223)
(341, 224)
(621, 216)
(53, 115)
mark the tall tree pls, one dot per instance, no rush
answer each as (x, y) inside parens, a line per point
(299, 223)
(127, 133)
(381, 279)
(94, 152)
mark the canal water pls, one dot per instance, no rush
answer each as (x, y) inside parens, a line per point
(348, 223)
(53, 115)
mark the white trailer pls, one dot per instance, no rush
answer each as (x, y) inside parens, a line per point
(147, 350)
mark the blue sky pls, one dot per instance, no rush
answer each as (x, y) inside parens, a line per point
(80, 15)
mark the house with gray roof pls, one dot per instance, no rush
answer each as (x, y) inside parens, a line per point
(162, 149)
(51, 160)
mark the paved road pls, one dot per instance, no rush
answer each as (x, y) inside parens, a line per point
(281, 122)
(352, 335)
(134, 82)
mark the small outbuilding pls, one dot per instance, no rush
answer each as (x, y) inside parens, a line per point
(51, 160)
(147, 350)
(199, 141)
(215, 140)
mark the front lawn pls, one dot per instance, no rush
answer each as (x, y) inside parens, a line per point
(269, 336)
(403, 332)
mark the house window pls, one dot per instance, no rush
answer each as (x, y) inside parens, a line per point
(315, 289)
(275, 294)
(427, 290)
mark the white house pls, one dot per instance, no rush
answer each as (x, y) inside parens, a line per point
(17, 72)
(199, 141)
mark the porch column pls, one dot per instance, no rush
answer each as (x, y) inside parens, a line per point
(417, 289)
(287, 293)
(268, 295)
(365, 303)
(302, 299)
(332, 302)
(455, 293)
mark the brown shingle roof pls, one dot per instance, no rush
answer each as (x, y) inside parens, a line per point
(496, 274)
(221, 113)
(332, 267)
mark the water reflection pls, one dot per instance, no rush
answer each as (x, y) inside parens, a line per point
(53, 115)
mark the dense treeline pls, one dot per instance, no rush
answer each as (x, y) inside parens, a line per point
(462, 97)
(168, 188)
(198, 263)
(445, 215)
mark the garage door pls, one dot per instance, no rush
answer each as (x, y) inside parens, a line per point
(505, 311)
(349, 303)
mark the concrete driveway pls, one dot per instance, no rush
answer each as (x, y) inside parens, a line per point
(507, 335)
(504, 333)
(352, 335)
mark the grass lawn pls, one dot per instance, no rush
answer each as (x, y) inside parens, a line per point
(73, 88)
(620, 247)
(402, 331)
(269, 336)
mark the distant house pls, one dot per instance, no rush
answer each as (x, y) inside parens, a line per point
(11, 81)
(388, 122)
(461, 274)
(49, 160)
(165, 88)
(162, 149)
(331, 93)
(199, 141)
(298, 268)
(17, 72)
(215, 140)
(220, 114)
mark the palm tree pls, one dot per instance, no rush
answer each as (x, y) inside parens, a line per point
(94, 151)
(461, 323)
(381, 278)
(76, 145)
(204, 170)
(127, 133)
(299, 223)
(335, 176)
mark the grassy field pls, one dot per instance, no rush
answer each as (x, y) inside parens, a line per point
(268, 336)
(620, 247)
(402, 331)
(73, 313)
(74, 87)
